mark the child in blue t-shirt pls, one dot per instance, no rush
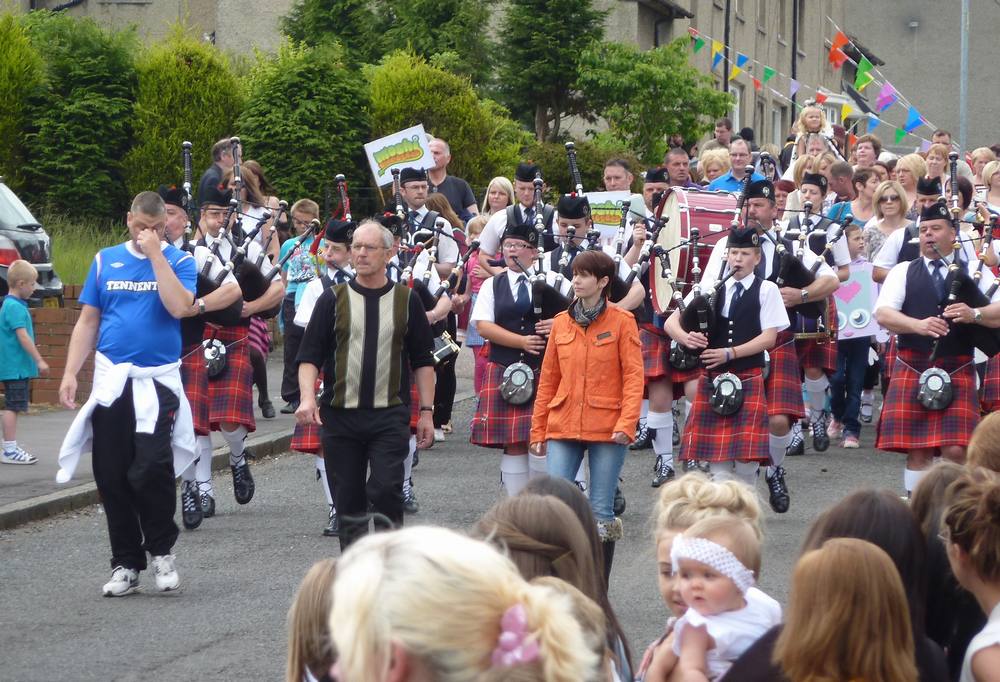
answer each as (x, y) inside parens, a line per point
(21, 359)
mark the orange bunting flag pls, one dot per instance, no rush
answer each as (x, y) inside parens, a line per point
(837, 57)
(839, 41)
(756, 84)
(852, 140)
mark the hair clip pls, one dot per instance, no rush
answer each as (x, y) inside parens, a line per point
(513, 645)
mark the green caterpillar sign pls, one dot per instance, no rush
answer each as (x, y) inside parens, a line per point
(399, 150)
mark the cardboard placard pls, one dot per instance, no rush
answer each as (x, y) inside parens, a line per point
(407, 148)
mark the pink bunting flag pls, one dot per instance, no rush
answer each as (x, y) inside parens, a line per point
(886, 97)
(793, 87)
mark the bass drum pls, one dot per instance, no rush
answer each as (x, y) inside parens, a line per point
(711, 213)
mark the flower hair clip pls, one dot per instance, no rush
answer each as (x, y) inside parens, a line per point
(513, 645)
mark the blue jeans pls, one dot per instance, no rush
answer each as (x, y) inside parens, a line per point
(846, 384)
(606, 459)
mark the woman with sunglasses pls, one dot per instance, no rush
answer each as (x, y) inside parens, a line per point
(891, 205)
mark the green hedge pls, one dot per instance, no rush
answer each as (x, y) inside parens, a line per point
(590, 159)
(21, 78)
(187, 91)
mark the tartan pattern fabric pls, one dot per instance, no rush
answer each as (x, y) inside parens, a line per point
(194, 376)
(907, 425)
(260, 337)
(890, 357)
(306, 439)
(682, 376)
(821, 353)
(742, 436)
(784, 383)
(231, 393)
(655, 355)
(498, 423)
(991, 385)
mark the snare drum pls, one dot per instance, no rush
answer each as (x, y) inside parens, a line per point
(823, 328)
(711, 213)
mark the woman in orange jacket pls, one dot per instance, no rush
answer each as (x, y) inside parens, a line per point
(590, 391)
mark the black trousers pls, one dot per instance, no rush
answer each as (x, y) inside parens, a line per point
(293, 338)
(134, 473)
(445, 383)
(364, 450)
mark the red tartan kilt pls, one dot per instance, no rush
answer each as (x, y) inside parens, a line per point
(498, 423)
(907, 425)
(991, 385)
(194, 376)
(231, 393)
(655, 355)
(307, 439)
(681, 377)
(784, 383)
(742, 436)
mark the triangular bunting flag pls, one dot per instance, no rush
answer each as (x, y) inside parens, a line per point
(821, 97)
(900, 134)
(913, 120)
(693, 31)
(873, 122)
(699, 43)
(716, 53)
(736, 71)
(886, 97)
(864, 77)
(852, 139)
(741, 60)
(837, 58)
(925, 145)
(839, 40)
(768, 73)
(845, 111)
(756, 84)
(793, 87)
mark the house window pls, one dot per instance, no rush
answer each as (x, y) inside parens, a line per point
(782, 19)
(737, 91)
(778, 126)
(762, 14)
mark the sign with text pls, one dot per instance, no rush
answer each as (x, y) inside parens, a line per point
(606, 211)
(407, 148)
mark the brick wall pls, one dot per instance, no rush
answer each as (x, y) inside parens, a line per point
(53, 327)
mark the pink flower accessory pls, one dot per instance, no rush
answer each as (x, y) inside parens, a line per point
(513, 645)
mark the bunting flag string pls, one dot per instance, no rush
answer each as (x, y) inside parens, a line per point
(761, 74)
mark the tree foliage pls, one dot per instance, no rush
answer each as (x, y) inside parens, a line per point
(352, 23)
(305, 119)
(406, 90)
(21, 79)
(81, 122)
(590, 158)
(646, 96)
(540, 46)
(187, 91)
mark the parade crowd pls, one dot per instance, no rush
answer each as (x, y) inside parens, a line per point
(717, 326)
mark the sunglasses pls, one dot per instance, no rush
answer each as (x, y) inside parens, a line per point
(886, 199)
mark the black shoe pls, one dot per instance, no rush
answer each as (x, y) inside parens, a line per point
(207, 505)
(797, 447)
(191, 514)
(779, 498)
(664, 472)
(267, 409)
(249, 454)
(690, 465)
(243, 485)
(643, 439)
(332, 529)
(619, 505)
(290, 408)
(410, 505)
(821, 440)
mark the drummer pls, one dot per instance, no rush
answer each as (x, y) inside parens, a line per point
(909, 305)
(783, 384)
(748, 316)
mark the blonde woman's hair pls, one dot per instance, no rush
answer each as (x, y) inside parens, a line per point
(913, 163)
(984, 446)
(827, 158)
(989, 170)
(309, 644)
(506, 185)
(847, 617)
(693, 497)
(735, 534)
(803, 165)
(475, 227)
(984, 153)
(883, 187)
(440, 596)
(718, 157)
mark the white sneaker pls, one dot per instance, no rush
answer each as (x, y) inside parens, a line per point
(123, 581)
(439, 435)
(18, 456)
(165, 573)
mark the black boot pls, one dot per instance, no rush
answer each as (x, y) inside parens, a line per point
(643, 438)
(609, 557)
(610, 532)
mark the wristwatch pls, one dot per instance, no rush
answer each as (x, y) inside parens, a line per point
(977, 316)
(805, 295)
(426, 408)
(201, 306)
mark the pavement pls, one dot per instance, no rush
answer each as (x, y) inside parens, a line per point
(240, 569)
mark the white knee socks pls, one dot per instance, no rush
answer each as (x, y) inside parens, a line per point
(203, 469)
(911, 477)
(663, 441)
(746, 472)
(234, 439)
(816, 390)
(776, 447)
(321, 468)
(537, 466)
(514, 473)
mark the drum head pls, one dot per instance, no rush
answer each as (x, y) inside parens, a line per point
(675, 211)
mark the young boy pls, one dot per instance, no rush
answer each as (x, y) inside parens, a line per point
(21, 359)
(296, 273)
(852, 363)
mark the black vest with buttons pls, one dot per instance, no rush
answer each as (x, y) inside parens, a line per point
(908, 251)
(922, 301)
(741, 326)
(515, 215)
(506, 315)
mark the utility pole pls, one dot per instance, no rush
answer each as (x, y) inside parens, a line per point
(963, 79)
(725, 38)
(795, 50)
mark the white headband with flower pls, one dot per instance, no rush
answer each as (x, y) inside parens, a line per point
(713, 555)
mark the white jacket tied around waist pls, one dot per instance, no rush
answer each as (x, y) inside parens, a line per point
(109, 384)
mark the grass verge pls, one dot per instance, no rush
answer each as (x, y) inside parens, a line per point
(74, 244)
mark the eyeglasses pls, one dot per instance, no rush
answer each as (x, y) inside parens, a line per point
(358, 248)
(515, 246)
(885, 199)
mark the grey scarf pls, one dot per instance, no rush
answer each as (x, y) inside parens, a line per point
(584, 316)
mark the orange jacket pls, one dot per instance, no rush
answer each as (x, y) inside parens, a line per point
(591, 380)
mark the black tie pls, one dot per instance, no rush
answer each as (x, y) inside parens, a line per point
(529, 215)
(938, 277)
(414, 219)
(523, 303)
(737, 295)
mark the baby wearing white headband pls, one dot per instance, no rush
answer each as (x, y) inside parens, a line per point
(716, 561)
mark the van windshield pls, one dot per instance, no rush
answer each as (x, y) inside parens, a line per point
(12, 211)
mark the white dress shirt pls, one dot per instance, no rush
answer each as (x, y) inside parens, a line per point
(484, 309)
